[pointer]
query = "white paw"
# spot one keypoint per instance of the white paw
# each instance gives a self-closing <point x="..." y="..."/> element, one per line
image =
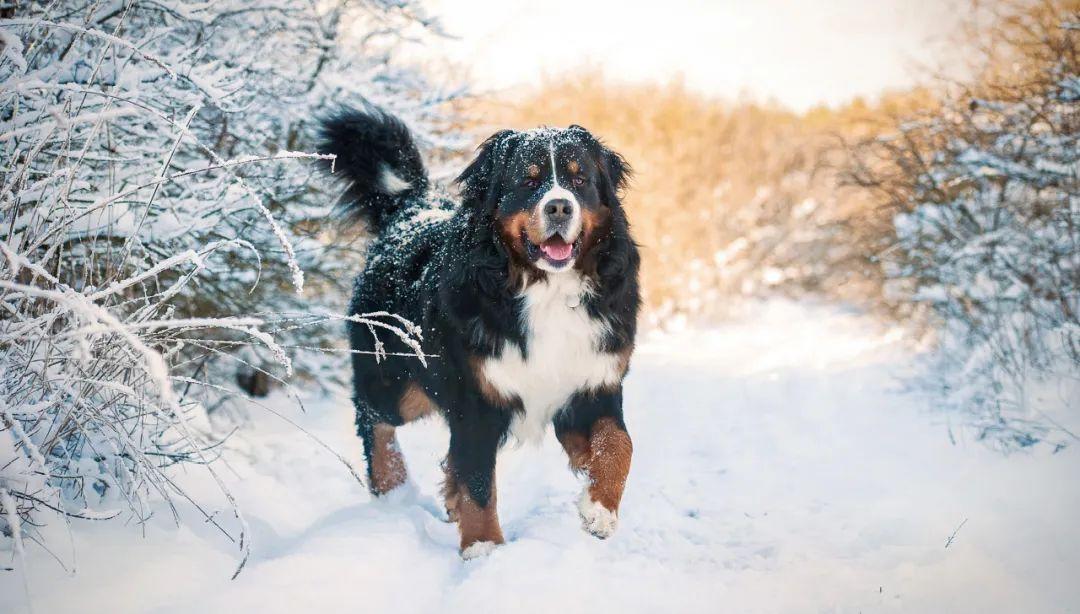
<point x="477" y="550"/>
<point x="595" y="518"/>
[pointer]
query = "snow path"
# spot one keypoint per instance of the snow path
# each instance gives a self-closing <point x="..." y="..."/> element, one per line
<point x="776" y="469"/>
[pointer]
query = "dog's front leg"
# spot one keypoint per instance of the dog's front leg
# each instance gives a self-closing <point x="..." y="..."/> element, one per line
<point x="475" y="435"/>
<point x="594" y="436"/>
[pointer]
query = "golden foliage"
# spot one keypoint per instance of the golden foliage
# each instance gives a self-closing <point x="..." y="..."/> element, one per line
<point x="727" y="199"/>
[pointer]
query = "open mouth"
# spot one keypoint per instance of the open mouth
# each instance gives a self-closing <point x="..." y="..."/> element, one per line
<point x="554" y="250"/>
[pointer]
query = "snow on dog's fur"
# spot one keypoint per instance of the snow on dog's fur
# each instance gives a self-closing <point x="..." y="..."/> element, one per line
<point x="527" y="292"/>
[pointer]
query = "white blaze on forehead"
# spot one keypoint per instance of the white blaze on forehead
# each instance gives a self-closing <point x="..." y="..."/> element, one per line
<point x="557" y="192"/>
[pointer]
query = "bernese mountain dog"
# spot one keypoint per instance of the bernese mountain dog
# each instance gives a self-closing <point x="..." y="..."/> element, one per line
<point x="526" y="291"/>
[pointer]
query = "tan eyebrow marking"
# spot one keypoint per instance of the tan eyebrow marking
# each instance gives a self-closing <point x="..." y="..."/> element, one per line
<point x="573" y="166"/>
<point x="533" y="171"/>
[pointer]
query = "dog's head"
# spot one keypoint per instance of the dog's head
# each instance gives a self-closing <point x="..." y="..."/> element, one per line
<point x="549" y="194"/>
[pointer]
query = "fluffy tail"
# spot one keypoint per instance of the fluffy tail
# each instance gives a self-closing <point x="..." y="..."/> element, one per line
<point x="377" y="156"/>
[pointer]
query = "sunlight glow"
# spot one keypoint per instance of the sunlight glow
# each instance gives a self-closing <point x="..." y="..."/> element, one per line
<point x="796" y="53"/>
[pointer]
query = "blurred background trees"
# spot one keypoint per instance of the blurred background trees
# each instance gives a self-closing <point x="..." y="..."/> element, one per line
<point x="985" y="241"/>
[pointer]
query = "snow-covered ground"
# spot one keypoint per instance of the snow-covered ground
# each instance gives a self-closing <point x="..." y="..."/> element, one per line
<point x="777" y="468"/>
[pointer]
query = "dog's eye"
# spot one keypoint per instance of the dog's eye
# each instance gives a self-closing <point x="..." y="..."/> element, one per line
<point x="530" y="183"/>
<point x="578" y="181"/>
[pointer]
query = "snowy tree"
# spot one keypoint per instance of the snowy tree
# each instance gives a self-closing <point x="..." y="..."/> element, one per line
<point x="987" y="224"/>
<point x="161" y="226"/>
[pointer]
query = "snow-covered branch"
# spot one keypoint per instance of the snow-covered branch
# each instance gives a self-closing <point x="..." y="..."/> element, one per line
<point x="159" y="221"/>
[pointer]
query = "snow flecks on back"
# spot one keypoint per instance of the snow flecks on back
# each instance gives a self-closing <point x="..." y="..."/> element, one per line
<point x="411" y="224"/>
<point x="401" y="259"/>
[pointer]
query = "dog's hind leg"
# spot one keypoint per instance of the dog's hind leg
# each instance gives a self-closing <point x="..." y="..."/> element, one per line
<point x="385" y="464"/>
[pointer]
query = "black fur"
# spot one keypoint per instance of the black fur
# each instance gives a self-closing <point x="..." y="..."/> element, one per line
<point x="367" y="142"/>
<point x="444" y="266"/>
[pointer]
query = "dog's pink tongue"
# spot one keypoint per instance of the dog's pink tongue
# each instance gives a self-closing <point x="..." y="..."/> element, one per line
<point x="557" y="250"/>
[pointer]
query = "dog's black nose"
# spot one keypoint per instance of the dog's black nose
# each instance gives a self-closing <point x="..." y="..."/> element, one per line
<point x="558" y="210"/>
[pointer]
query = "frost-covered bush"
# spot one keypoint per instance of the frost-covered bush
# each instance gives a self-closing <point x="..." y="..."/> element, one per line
<point x="987" y="228"/>
<point x="160" y="228"/>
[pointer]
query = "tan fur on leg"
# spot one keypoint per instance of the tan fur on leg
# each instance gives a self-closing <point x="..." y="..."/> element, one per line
<point x="577" y="449"/>
<point x="605" y="457"/>
<point x="476" y="525"/>
<point x="415" y="403"/>
<point x="449" y="492"/>
<point x="387" y="463"/>
<point x="608" y="464"/>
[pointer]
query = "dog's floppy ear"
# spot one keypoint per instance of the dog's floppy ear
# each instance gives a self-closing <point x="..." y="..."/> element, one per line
<point x="480" y="178"/>
<point x="614" y="169"/>
<point x="616" y="172"/>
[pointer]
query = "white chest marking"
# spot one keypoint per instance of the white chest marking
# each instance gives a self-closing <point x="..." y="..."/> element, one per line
<point x="563" y="358"/>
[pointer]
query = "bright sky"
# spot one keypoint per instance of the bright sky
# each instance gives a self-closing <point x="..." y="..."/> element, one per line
<point x="797" y="52"/>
